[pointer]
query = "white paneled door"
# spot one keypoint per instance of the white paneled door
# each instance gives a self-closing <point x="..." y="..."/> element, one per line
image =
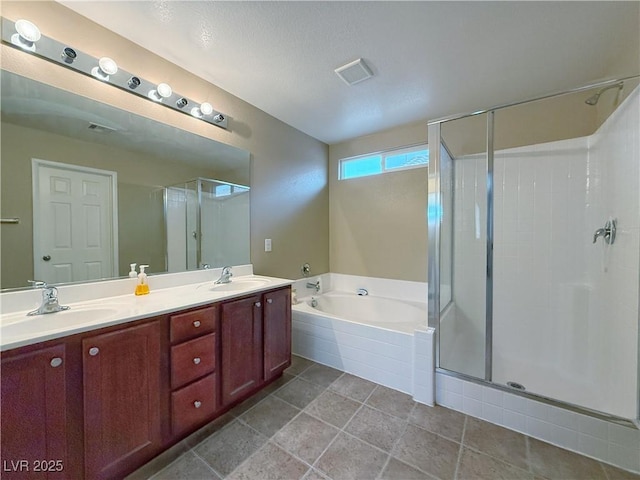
<point x="74" y="222"/>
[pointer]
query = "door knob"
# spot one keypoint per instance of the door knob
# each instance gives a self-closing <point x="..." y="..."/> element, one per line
<point x="46" y="258"/>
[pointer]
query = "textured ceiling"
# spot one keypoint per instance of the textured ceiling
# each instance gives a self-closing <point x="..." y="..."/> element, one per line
<point x="430" y="59"/>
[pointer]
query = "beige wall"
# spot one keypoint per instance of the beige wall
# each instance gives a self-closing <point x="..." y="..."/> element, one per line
<point x="289" y="190"/>
<point x="549" y="120"/>
<point x="378" y="224"/>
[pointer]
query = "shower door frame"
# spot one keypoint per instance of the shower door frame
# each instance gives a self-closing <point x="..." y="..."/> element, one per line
<point x="434" y="204"/>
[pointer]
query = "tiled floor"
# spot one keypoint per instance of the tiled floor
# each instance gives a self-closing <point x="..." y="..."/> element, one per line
<point x="318" y="423"/>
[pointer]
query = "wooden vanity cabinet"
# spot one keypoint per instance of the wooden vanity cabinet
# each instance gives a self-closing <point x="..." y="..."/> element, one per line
<point x="34" y="414"/>
<point x="256" y="342"/>
<point x="122" y="422"/>
<point x="276" y="328"/>
<point x="193" y="365"/>
<point x="103" y="403"/>
<point x="241" y="344"/>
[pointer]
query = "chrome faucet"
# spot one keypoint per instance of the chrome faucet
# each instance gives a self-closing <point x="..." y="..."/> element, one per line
<point x="49" y="300"/>
<point x="608" y="233"/>
<point x="314" y="285"/>
<point x="226" y="275"/>
<point x="362" y="292"/>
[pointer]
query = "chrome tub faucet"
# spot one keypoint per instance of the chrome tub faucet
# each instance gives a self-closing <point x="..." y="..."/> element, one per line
<point x="315" y="285"/>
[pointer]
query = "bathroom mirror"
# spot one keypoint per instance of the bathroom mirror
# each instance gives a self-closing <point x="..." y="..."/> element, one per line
<point x="130" y="171"/>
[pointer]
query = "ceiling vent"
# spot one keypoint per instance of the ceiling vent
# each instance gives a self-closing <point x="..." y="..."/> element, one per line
<point x="96" y="127"/>
<point x="354" y="72"/>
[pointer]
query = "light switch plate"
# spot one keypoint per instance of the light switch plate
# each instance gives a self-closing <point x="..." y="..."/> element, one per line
<point x="267" y="244"/>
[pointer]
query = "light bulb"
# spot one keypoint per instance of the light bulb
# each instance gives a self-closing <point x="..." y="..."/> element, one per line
<point x="204" y="109"/>
<point x="27" y="36"/>
<point x="106" y="67"/>
<point x="161" y="92"/>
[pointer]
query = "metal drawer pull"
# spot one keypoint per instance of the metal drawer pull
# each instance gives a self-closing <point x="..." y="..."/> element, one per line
<point x="93" y="351"/>
<point x="56" y="362"/>
<point x="196" y="360"/>
<point x="258" y="304"/>
<point x="197" y="404"/>
<point x="269" y="300"/>
<point x="196" y="323"/>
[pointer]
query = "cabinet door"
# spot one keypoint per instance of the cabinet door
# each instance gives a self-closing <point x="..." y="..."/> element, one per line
<point x="34" y="423"/>
<point x="277" y="332"/>
<point x="241" y="345"/>
<point x="121" y="399"/>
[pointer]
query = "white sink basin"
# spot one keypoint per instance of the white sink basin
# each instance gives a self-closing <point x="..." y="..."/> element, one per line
<point x="236" y="285"/>
<point x="20" y="324"/>
<point x="239" y="285"/>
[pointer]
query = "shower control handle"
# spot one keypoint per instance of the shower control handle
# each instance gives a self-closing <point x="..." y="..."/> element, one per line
<point x="608" y="232"/>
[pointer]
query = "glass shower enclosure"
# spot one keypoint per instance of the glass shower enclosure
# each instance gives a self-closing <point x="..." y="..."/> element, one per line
<point x="534" y="247"/>
<point x="207" y="224"/>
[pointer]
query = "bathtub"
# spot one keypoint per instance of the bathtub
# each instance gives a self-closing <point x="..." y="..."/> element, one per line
<point x="381" y="312"/>
<point x="382" y="337"/>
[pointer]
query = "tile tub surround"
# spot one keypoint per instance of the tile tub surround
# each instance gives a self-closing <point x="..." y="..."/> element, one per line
<point x="341" y="426"/>
<point x="401" y="360"/>
<point x="601" y="440"/>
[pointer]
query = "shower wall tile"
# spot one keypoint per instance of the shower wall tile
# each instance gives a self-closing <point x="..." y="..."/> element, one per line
<point x="514" y="421"/>
<point x="592" y="446"/>
<point x="453" y="385"/>
<point x="515" y="403"/>
<point x="594" y="427"/>
<point x="622" y="435"/>
<point x="627" y="458"/>
<point x="472" y="390"/>
<point x="492" y="396"/>
<point x="539" y="429"/>
<point x="492" y="413"/>
<point x="537" y="410"/>
<point x="563" y="418"/>
<point x="472" y="407"/>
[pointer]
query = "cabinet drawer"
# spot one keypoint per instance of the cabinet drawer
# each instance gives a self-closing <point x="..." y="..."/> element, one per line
<point x="193" y="324"/>
<point x="193" y="404"/>
<point x="192" y="359"/>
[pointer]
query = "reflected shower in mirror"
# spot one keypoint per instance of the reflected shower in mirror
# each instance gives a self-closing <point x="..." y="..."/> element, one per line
<point x="90" y="186"/>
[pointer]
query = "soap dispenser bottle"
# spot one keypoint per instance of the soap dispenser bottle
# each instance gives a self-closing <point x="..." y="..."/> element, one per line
<point x="133" y="273"/>
<point x="143" y="287"/>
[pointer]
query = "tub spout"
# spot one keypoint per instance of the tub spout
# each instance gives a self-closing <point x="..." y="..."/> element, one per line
<point x="362" y="292"/>
<point x="315" y="285"/>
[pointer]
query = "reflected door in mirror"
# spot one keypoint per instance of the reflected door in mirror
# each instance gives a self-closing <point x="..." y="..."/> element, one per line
<point x="74" y="228"/>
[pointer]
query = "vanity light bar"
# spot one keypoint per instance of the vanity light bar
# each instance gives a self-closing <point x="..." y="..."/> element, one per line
<point x="106" y="70"/>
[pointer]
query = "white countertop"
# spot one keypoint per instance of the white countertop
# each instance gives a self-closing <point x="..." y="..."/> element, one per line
<point x="17" y="329"/>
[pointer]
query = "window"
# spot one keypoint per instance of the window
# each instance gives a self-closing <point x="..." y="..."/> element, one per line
<point x="223" y="190"/>
<point x="393" y="160"/>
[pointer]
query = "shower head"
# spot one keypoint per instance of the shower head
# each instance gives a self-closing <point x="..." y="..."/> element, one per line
<point x="593" y="99"/>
